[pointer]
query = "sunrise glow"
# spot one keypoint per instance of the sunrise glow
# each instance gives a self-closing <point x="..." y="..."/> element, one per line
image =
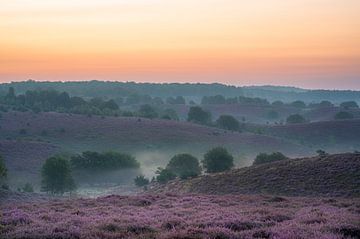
<point x="307" y="43"/>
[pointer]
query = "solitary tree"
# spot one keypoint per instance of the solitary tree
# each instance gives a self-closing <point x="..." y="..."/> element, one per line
<point x="228" y="122"/>
<point x="198" y="115"/>
<point x="56" y="176"/>
<point x="3" y="170"/>
<point x="218" y="160"/>
<point x="184" y="166"/>
<point x="147" y="111"/>
<point x="343" y="115"/>
<point x="295" y="119"/>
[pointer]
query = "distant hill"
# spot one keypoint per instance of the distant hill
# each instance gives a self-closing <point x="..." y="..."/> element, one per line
<point x="191" y="91"/>
<point x="333" y="175"/>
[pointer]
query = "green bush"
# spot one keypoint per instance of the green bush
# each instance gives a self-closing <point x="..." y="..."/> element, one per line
<point x="147" y="111"/>
<point x="3" y="170"/>
<point x="28" y="188"/>
<point x="349" y="104"/>
<point x="268" y="158"/>
<point x="218" y="160"/>
<point x="164" y="175"/>
<point x="56" y="176"/>
<point x="141" y="181"/>
<point x="103" y="161"/>
<point x="343" y="115"/>
<point x="295" y="119"/>
<point x="184" y="166"/>
<point x="228" y="122"/>
<point x="199" y="116"/>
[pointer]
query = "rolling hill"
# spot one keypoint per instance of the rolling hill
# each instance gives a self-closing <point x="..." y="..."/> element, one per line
<point x="333" y="175"/>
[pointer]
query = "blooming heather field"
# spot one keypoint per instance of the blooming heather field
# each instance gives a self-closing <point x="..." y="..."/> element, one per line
<point x="187" y="216"/>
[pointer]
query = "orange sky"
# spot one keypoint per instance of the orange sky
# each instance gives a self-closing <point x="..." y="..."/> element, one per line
<point x="307" y="43"/>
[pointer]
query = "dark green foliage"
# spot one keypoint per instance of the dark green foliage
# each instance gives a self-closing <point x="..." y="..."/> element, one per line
<point x="184" y="166"/>
<point x="218" y="160"/>
<point x="322" y="104"/>
<point x="198" y="115"/>
<point x="295" y="119"/>
<point x="103" y="161"/>
<point x="217" y="100"/>
<point x="51" y="100"/>
<point x="141" y="181"/>
<point x="277" y="103"/>
<point x="343" y="115"/>
<point x="349" y="104"/>
<point x="28" y="188"/>
<point x="253" y="101"/>
<point x="298" y="104"/>
<point x="56" y="176"/>
<point x="3" y="170"/>
<point x="321" y="153"/>
<point x="147" y="111"/>
<point x="179" y="100"/>
<point x="228" y="122"/>
<point x="170" y="114"/>
<point x="268" y="158"/>
<point x="164" y="175"/>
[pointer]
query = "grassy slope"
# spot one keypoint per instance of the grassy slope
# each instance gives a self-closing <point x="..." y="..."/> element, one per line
<point x="340" y="135"/>
<point x="78" y="132"/>
<point x="334" y="175"/>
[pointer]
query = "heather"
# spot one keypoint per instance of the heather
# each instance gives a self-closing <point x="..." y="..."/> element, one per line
<point x="182" y="216"/>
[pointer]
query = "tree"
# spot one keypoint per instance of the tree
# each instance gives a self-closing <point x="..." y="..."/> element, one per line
<point x="277" y="103"/>
<point x="3" y="170"/>
<point x="164" y="175"/>
<point x="141" y="181"/>
<point x="268" y="158"/>
<point x="184" y="166"/>
<point x="147" y="111"/>
<point x="198" y="115"/>
<point x="228" y="122"/>
<point x="298" y="104"/>
<point x="295" y="119"/>
<point x="56" y="176"/>
<point x="349" y="104"/>
<point x="218" y="160"/>
<point x="343" y="115"/>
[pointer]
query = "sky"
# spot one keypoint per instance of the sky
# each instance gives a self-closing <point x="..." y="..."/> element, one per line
<point x="304" y="43"/>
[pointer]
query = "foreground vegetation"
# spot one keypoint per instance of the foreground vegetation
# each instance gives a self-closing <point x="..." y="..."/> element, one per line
<point x="185" y="216"/>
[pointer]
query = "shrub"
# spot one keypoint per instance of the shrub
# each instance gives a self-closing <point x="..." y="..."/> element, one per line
<point x="295" y="119"/>
<point x="218" y="160"/>
<point x="321" y="153"/>
<point x="228" y="122"/>
<point x="277" y="103"/>
<point x="343" y="115"/>
<point x="349" y="104"/>
<point x="28" y="188"/>
<point x="198" y="115"/>
<point x="268" y="158"/>
<point x="56" y="176"/>
<point x="141" y="181"/>
<point x="3" y="170"/>
<point x="298" y="104"/>
<point x="147" y="111"/>
<point x="103" y="161"/>
<point x="164" y="175"/>
<point x="184" y="166"/>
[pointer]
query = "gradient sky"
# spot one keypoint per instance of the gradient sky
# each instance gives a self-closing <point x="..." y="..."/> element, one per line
<point x="306" y="43"/>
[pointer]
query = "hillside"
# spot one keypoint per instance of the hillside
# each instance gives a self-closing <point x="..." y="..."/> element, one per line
<point x="334" y="175"/>
<point x="335" y="136"/>
<point x="79" y="132"/>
